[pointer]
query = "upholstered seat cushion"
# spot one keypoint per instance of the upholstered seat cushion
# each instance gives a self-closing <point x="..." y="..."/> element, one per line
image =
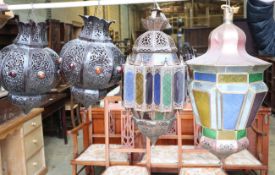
<point x="242" y="158"/>
<point x="96" y="153"/>
<point x="203" y="158"/>
<point x="161" y="154"/>
<point x="202" y="171"/>
<point x="126" y="170"/>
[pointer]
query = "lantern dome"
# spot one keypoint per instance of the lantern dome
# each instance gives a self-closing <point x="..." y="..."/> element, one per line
<point x="226" y="51"/>
<point x="227" y="89"/>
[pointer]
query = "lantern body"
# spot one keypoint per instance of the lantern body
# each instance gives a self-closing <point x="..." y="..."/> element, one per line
<point x="154" y="79"/>
<point x="29" y="68"/>
<point x="92" y="63"/>
<point x="226" y="91"/>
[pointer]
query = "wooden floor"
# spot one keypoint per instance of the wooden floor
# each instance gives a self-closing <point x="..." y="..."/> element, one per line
<point x="58" y="155"/>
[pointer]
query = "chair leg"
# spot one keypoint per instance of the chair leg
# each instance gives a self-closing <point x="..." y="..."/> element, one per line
<point x="74" y="169"/>
<point x="72" y="118"/>
<point x="78" y="115"/>
<point x="263" y="172"/>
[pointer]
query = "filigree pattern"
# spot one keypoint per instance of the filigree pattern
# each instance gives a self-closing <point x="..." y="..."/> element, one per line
<point x="92" y="62"/>
<point x="127" y="129"/>
<point x="28" y="68"/>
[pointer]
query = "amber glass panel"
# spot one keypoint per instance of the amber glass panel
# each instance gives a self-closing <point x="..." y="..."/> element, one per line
<point x="202" y="100"/>
<point x="139" y="88"/>
<point x="232" y="78"/>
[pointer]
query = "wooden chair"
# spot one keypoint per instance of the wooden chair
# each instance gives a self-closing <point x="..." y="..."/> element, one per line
<point x="128" y="134"/>
<point x="94" y="154"/>
<point x="74" y="110"/>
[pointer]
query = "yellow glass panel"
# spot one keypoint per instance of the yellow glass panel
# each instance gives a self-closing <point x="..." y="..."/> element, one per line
<point x="227" y="135"/>
<point x="202" y="100"/>
<point x="232" y="78"/>
<point x="139" y="88"/>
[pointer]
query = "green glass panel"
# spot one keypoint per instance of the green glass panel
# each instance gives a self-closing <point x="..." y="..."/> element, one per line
<point x="232" y="78"/>
<point x="255" y="77"/>
<point x="241" y="134"/>
<point x="159" y="116"/>
<point x="202" y="100"/>
<point x="209" y="133"/>
<point x="167" y="89"/>
<point x="139" y="88"/>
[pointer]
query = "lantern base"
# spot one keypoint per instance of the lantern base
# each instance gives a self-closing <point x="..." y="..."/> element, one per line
<point x="153" y="129"/>
<point x="25" y="102"/>
<point x="224" y="148"/>
<point x="86" y="97"/>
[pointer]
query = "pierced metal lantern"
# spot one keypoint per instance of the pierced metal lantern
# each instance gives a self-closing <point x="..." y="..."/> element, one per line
<point x="154" y="79"/>
<point x="92" y="64"/>
<point x="227" y="89"/>
<point x="29" y="68"/>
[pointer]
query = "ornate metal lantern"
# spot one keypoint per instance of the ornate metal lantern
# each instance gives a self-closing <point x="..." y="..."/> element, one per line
<point x="29" y="68"/>
<point x="227" y="89"/>
<point x="92" y="63"/>
<point x="154" y="79"/>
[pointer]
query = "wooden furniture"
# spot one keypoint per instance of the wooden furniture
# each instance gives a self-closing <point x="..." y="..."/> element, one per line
<point x="54" y="109"/>
<point x="74" y="110"/>
<point x="21" y="141"/>
<point x="181" y="151"/>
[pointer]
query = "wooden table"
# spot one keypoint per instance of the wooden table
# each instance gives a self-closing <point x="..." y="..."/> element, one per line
<point x="55" y="104"/>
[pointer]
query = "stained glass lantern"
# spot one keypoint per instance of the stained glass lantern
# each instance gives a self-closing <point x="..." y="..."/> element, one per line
<point x="92" y="64"/>
<point x="29" y="68"/>
<point x="227" y="89"/>
<point x="154" y="79"/>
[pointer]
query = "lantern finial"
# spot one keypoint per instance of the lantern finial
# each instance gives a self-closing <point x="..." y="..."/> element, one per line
<point x="228" y="13"/>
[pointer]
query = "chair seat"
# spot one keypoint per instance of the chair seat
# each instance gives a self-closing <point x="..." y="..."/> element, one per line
<point x="126" y="170"/>
<point x="242" y="158"/>
<point x="96" y="153"/>
<point x="202" y="171"/>
<point x="161" y="154"/>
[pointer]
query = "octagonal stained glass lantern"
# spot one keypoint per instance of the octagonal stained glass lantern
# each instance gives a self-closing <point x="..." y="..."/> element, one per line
<point x="154" y="79"/>
<point x="227" y="89"/>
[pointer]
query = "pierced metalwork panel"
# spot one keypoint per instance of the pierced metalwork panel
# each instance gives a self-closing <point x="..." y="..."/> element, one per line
<point x="97" y="58"/>
<point x="40" y="61"/>
<point x="12" y="72"/>
<point x="73" y="55"/>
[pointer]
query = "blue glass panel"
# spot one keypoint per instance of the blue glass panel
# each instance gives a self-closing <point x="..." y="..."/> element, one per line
<point x="129" y="87"/>
<point x="205" y="77"/>
<point x="157" y="82"/>
<point x="149" y="88"/>
<point x="231" y="107"/>
<point x="178" y="87"/>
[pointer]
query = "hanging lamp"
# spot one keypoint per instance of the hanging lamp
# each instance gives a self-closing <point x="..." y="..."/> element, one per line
<point x="227" y="89"/>
<point x="92" y="64"/>
<point x="29" y="68"/>
<point x="154" y="79"/>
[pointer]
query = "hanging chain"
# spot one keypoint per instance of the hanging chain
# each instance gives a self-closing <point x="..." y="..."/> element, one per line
<point x="31" y="13"/>
<point x="97" y="9"/>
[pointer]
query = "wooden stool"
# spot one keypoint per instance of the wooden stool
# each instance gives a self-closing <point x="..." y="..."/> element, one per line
<point x="126" y="170"/>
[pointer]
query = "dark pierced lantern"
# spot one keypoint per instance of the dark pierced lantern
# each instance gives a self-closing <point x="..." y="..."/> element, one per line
<point x="92" y="64"/>
<point x="227" y="89"/>
<point x="29" y="68"/>
<point x="154" y="79"/>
